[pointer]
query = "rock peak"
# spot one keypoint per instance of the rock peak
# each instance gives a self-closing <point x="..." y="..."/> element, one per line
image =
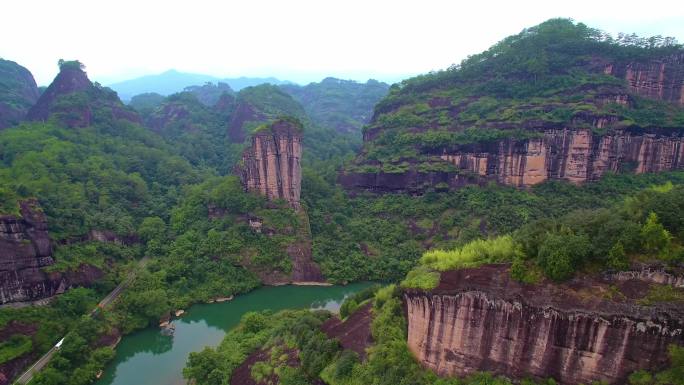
<point x="271" y="166"/>
<point x="73" y="99"/>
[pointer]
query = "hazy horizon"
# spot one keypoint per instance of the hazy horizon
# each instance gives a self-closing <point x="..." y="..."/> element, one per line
<point x="301" y="42"/>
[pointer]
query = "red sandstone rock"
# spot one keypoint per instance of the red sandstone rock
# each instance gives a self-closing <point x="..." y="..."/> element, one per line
<point x="481" y="319"/>
<point x="85" y="99"/>
<point x="272" y="165"/>
<point x="658" y="79"/>
<point x="574" y="155"/>
<point x="355" y="332"/>
<point x="25" y="248"/>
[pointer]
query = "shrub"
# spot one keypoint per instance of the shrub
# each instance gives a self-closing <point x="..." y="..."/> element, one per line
<point x="473" y="254"/>
<point x="422" y="277"/>
<point x="561" y="253"/>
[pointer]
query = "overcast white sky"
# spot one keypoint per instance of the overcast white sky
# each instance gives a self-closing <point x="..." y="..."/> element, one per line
<point x="296" y="40"/>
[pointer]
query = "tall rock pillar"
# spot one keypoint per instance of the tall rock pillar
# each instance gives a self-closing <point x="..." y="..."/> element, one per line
<point x="272" y="165"/>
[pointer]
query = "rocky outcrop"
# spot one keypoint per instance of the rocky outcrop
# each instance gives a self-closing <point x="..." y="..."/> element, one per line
<point x="243" y="114"/>
<point x="12" y="368"/>
<point x="76" y="102"/>
<point x="574" y="155"/>
<point x="271" y="166"/>
<point x="659" y="79"/>
<point x="25" y="248"/>
<point x="354" y="333"/>
<point x="304" y="269"/>
<point x="257" y="105"/>
<point x="480" y="319"/>
<point x="18" y="92"/>
<point x="174" y="114"/>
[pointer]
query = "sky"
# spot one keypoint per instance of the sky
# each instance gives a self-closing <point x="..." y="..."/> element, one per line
<point x="300" y="41"/>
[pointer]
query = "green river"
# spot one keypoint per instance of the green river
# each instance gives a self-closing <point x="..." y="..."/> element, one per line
<point x="149" y="358"/>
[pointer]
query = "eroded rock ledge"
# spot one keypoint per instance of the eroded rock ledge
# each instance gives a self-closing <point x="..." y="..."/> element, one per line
<point x="481" y="319"/>
<point x="26" y="248"/>
<point x="577" y="156"/>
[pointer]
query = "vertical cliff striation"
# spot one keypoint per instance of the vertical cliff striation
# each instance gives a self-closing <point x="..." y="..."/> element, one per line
<point x="26" y="248"/>
<point x="480" y="319"/>
<point x="657" y="79"/>
<point x="272" y="165"/>
<point x="574" y="155"/>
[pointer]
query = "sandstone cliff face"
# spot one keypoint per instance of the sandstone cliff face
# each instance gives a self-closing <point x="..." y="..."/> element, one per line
<point x="659" y="79"/>
<point x="574" y="155"/>
<point x="479" y="319"/>
<point x="25" y="248"/>
<point x="76" y="102"/>
<point x="272" y="165"/>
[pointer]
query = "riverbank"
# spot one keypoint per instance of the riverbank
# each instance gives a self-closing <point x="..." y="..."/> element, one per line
<point x="148" y="357"/>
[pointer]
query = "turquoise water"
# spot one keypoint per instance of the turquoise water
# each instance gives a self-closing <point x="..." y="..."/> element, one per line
<point x="149" y="358"/>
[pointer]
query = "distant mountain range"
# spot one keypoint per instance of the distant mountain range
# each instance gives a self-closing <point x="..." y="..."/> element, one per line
<point x="173" y="81"/>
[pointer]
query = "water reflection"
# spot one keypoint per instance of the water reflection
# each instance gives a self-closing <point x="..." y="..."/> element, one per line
<point x="150" y="358"/>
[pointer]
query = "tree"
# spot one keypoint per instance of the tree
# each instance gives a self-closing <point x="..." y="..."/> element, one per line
<point x="152" y="228"/>
<point x="654" y="237"/>
<point x="617" y="259"/>
<point x="562" y="253"/>
<point x="70" y="64"/>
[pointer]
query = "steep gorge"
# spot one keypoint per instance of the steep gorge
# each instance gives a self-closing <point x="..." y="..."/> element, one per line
<point x="481" y="319"/>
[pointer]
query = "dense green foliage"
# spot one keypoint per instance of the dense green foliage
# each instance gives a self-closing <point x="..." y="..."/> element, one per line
<point x="146" y="103"/>
<point x="77" y="362"/>
<point x="197" y="131"/>
<point x="275" y="333"/>
<point x="14" y="346"/>
<point x="209" y="93"/>
<point x="604" y="238"/>
<point x="17" y="89"/>
<point x="353" y="302"/>
<point x="344" y="105"/>
<point x="674" y="375"/>
<point x="103" y="177"/>
<point x="168" y="188"/>
<point x="382" y="237"/>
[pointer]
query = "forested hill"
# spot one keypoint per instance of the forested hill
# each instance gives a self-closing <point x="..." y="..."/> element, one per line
<point x="559" y="75"/>
<point x="344" y="105"/>
<point x="173" y="81"/>
<point x="18" y="92"/>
